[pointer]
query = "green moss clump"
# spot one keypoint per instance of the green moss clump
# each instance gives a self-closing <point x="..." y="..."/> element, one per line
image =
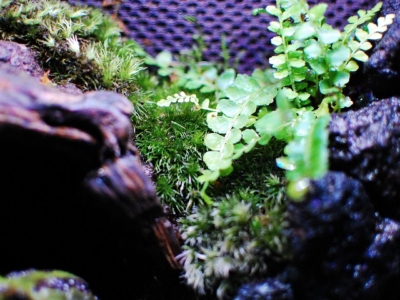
<point x="170" y="139"/>
<point x="43" y="285"/>
<point x="77" y="44"/>
<point x="239" y="237"/>
<point x="234" y="241"/>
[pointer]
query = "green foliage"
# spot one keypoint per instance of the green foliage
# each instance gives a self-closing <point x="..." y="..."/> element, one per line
<point x="233" y="241"/>
<point x="191" y="72"/>
<point x="314" y="60"/>
<point x="311" y="69"/>
<point x="226" y="241"/>
<point x="170" y="139"/>
<point x="77" y="44"/>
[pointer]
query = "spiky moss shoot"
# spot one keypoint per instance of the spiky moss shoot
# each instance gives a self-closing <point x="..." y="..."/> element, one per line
<point x="77" y="44"/>
<point x="171" y="140"/>
<point x="240" y="237"/>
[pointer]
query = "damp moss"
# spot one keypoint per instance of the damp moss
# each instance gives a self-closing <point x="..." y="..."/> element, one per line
<point x="81" y="45"/>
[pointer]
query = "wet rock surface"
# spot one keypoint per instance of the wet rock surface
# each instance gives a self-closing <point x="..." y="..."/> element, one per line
<point x="382" y="70"/>
<point x="346" y="251"/>
<point x="366" y="145"/>
<point x="271" y="289"/>
<point x="75" y="196"/>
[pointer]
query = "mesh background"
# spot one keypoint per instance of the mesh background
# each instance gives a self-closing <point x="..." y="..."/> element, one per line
<point x="160" y="25"/>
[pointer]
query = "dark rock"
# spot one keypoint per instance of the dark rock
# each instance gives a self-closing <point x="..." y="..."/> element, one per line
<point x="365" y="144"/>
<point x="390" y="7"/>
<point x="338" y="251"/>
<point x="23" y="59"/>
<point x="380" y="270"/>
<point x="382" y="70"/>
<point x="336" y="219"/>
<point x="328" y="232"/>
<point x="74" y="193"/>
<point x="341" y="249"/>
<point x="270" y="289"/>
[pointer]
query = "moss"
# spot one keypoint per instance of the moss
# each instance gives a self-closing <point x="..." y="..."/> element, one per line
<point x="171" y="140"/>
<point x="77" y="44"/>
<point x="31" y="284"/>
<point x="241" y="231"/>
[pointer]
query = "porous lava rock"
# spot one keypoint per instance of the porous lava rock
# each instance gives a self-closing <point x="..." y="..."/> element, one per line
<point x="74" y="195"/>
<point x="365" y="144"/>
<point x="270" y="289"/>
<point x="341" y="248"/>
<point x="382" y="70"/>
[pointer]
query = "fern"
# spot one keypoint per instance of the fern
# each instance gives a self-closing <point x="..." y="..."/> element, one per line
<point x="293" y="102"/>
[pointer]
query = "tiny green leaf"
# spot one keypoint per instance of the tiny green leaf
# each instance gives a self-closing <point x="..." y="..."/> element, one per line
<point x="215" y="162"/>
<point x="274" y="26"/>
<point x="366" y="46"/>
<point x="247" y="83"/>
<point x="207" y="89"/>
<point x="193" y="85"/>
<point x="326" y="88"/>
<point x="361" y="56"/>
<point x="297" y="63"/>
<point x="341" y="78"/>
<point x="241" y="121"/>
<point x="317" y="12"/>
<point x="226" y="79"/>
<point x="249" y="135"/>
<point x="208" y="176"/>
<point x="235" y="136"/>
<point x="214" y="141"/>
<point x="338" y="56"/>
<point x="277" y="60"/>
<point x="318" y="66"/>
<point x="372" y="27"/>
<point x="361" y="35"/>
<point x="375" y="36"/>
<point x="249" y="109"/>
<point x="352" y="19"/>
<point x="289" y="31"/>
<point x="218" y="124"/>
<point x="273" y="10"/>
<point x="277" y="40"/>
<point x="313" y="50"/>
<point x="351" y="66"/>
<point x="328" y="36"/>
<point x="164" y="59"/>
<point x="304" y="31"/>
<point x="280" y="75"/>
<point x="229" y="108"/>
<point x="236" y="94"/>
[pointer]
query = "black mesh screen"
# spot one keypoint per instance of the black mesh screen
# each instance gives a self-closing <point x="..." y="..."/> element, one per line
<point x="159" y="25"/>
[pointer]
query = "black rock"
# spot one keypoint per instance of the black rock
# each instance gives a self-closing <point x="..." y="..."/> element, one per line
<point x="270" y="289"/>
<point x="380" y="269"/>
<point x="329" y="231"/>
<point x="335" y="220"/>
<point x="365" y="144"/>
<point x="382" y="70"/>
